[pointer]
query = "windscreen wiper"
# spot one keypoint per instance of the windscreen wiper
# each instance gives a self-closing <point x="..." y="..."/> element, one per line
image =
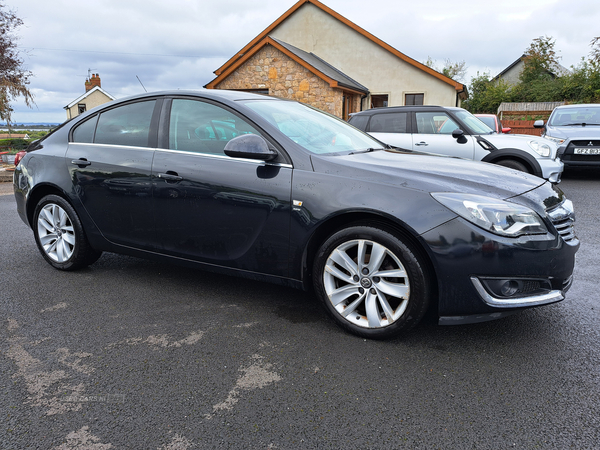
<point x="367" y="150"/>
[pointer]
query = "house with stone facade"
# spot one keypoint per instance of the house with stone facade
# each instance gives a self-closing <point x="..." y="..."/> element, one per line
<point x="315" y="55"/>
<point x="94" y="96"/>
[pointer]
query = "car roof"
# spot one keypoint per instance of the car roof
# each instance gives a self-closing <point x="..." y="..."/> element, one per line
<point x="216" y="94"/>
<point x="390" y="109"/>
<point x="582" y="105"/>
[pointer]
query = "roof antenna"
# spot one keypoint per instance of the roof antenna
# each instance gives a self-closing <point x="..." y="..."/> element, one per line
<point x="141" y="83"/>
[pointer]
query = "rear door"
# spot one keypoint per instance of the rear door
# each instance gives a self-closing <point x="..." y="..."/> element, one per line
<point x="110" y="162"/>
<point x="393" y="128"/>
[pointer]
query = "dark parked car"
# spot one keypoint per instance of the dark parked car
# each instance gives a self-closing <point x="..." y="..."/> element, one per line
<point x="294" y="196"/>
<point x="492" y="121"/>
<point x="577" y="129"/>
<point x="456" y="132"/>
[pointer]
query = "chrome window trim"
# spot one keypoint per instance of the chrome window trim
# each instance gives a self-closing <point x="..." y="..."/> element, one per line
<point x="228" y="158"/>
<point x="209" y="155"/>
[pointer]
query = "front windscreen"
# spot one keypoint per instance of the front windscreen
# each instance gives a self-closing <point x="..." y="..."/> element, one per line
<point x="476" y="126"/>
<point x="589" y="115"/>
<point x="312" y="129"/>
<point x="489" y="121"/>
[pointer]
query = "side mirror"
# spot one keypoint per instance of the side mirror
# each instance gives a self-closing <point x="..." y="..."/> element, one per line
<point x="506" y="130"/>
<point x="249" y="146"/>
<point x="538" y="124"/>
<point x="459" y="135"/>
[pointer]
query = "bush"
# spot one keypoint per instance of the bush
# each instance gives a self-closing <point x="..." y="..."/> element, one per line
<point x="13" y="145"/>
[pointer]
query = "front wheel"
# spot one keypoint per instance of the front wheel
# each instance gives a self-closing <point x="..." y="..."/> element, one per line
<point x="512" y="164"/>
<point x="371" y="282"/>
<point x="59" y="235"/>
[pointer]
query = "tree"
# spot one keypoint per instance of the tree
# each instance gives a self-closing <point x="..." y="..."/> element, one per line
<point x="540" y="60"/>
<point x="454" y="70"/>
<point x="14" y="79"/>
<point x="595" y="52"/>
<point x="485" y="95"/>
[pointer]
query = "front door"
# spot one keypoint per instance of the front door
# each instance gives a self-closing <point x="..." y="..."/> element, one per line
<point x="213" y="208"/>
<point x="434" y="135"/>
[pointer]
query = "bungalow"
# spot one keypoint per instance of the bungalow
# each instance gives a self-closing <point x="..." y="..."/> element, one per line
<point x="94" y="96"/>
<point x="315" y="55"/>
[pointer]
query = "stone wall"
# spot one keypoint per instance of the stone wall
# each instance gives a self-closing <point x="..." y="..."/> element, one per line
<point x="283" y="77"/>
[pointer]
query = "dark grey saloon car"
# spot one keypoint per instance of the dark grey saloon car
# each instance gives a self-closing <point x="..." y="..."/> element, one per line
<point x="274" y="190"/>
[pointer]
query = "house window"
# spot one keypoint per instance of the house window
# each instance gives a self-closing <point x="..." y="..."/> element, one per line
<point x="81" y="108"/>
<point x="379" y="101"/>
<point x="413" y="99"/>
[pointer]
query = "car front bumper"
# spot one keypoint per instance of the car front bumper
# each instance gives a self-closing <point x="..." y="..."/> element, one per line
<point x="466" y="258"/>
<point x="551" y="169"/>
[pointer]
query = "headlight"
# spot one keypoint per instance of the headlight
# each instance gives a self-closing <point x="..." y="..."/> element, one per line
<point x="540" y="148"/>
<point x="497" y="216"/>
<point x="554" y="139"/>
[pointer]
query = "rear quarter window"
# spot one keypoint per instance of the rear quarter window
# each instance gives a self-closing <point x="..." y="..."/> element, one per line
<point x="359" y="122"/>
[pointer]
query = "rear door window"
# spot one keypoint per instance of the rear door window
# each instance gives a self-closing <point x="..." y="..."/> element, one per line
<point x="84" y="132"/>
<point x="127" y="125"/>
<point x="389" y="123"/>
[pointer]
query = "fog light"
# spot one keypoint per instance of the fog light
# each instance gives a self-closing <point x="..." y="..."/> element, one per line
<point x="516" y="287"/>
<point x="509" y="288"/>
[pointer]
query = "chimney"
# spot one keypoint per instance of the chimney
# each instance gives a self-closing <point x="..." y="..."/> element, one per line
<point x="92" y="82"/>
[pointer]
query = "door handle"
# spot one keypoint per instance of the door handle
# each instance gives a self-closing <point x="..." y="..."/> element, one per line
<point x="422" y="144"/>
<point x="81" y="162"/>
<point x="170" y="176"/>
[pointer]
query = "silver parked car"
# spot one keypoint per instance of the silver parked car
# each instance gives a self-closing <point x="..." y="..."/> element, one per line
<point x="576" y="128"/>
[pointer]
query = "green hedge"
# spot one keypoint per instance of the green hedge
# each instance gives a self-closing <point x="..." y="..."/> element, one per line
<point x="13" y="145"/>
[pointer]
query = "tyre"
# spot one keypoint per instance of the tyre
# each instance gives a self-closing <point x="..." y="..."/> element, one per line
<point x="512" y="164"/>
<point x="371" y="282"/>
<point x="59" y="235"/>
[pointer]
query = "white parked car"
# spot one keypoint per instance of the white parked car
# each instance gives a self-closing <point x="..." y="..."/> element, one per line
<point x="457" y="132"/>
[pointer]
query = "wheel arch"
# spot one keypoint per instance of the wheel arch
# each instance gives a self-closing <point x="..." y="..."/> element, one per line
<point x="516" y="155"/>
<point x="39" y="192"/>
<point x="349" y="219"/>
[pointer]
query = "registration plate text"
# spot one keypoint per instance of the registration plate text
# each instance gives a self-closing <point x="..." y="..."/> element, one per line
<point x="587" y="151"/>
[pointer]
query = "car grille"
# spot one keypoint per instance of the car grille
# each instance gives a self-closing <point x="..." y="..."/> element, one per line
<point x="565" y="228"/>
<point x="563" y="219"/>
<point x="569" y="155"/>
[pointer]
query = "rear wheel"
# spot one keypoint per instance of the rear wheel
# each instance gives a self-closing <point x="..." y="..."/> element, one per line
<point x="371" y="283"/>
<point x="513" y="164"/>
<point x="59" y="235"/>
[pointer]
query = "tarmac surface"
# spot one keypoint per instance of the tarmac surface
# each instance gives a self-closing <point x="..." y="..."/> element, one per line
<point x="134" y="354"/>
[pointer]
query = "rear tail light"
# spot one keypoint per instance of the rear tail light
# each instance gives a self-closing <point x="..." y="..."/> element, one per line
<point x="19" y="157"/>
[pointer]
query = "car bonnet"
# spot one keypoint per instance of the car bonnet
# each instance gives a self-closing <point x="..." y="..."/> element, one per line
<point x="429" y="173"/>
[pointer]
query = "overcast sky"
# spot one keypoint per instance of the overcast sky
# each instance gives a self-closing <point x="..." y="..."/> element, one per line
<point x="177" y="44"/>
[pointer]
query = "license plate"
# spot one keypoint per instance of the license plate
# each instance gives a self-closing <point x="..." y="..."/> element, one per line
<point x="587" y="151"/>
